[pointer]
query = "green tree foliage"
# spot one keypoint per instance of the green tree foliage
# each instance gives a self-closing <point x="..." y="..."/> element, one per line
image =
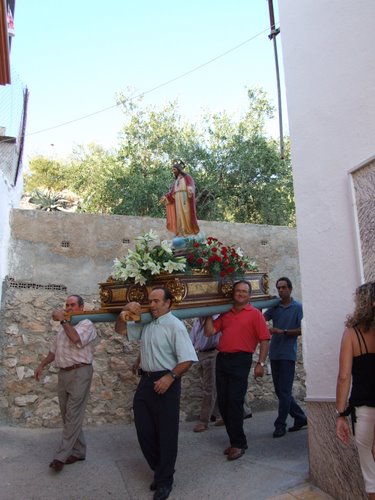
<point x="46" y="174"/>
<point x="95" y="175"/>
<point x="236" y="167"/>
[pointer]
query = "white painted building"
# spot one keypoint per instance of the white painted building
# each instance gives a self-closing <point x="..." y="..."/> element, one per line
<point x="329" y="64"/>
<point x="11" y="116"/>
<point x="9" y="198"/>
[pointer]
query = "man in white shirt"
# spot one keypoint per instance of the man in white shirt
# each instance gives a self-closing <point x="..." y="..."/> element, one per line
<point x="166" y="353"/>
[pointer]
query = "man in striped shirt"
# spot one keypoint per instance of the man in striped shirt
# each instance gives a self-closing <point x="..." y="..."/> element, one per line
<point x="72" y="352"/>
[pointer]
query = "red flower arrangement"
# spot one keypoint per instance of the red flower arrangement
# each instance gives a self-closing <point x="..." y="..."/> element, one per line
<point x="217" y="259"/>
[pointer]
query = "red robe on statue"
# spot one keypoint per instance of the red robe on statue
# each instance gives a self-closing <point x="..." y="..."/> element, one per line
<point x="181" y="212"/>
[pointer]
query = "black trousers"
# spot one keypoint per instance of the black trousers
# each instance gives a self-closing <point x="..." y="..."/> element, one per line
<point x="157" y="420"/>
<point x="232" y="371"/>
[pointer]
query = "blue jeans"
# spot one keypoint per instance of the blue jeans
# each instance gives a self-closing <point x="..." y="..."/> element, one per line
<point x="283" y="376"/>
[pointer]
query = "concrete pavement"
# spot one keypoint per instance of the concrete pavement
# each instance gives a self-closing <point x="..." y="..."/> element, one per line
<point x="115" y="468"/>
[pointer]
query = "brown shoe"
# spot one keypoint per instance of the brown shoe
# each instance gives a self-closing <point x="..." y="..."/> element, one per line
<point x="219" y="422"/>
<point x="72" y="459"/>
<point x="235" y="453"/>
<point x="56" y="465"/>
<point x="226" y="451"/>
<point x="200" y="427"/>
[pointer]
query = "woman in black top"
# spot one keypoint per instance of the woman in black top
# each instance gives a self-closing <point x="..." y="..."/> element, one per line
<point x="357" y="368"/>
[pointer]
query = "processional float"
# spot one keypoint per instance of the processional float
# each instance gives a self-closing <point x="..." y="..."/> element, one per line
<point x="196" y="294"/>
<point x="199" y="272"/>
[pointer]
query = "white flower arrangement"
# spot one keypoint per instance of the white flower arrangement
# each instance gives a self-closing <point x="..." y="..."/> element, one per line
<point x="147" y="261"/>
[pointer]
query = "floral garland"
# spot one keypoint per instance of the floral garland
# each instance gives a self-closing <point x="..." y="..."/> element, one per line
<point x="217" y="259"/>
<point x="147" y="261"/>
<point x="210" y="256"/>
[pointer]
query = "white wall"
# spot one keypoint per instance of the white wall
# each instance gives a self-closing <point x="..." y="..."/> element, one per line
<point x="9" y="198"/>
<point x="329" y="63"/>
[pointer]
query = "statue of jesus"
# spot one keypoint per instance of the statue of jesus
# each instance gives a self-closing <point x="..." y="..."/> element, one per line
<point x="180" y="203"/>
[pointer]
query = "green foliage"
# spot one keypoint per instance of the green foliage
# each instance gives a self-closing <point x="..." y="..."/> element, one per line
<point x="46" y="174"/>
<point x="95" y="176"/>
<point x="47" y="201"/>
<point x="236" y="167"/>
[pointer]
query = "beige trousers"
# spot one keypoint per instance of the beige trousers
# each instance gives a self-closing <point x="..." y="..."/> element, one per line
<point x="73" y="393"/>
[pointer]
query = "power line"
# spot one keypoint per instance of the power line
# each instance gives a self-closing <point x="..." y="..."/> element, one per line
<point x="196" y="68"/>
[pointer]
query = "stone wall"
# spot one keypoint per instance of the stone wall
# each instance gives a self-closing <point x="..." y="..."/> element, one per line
<point x="77" y="250"/>
<point x="27" y="331"/>
<point x="363" y="178"/>
<point x="43" y="273"/>
<point x="334" y="466"/>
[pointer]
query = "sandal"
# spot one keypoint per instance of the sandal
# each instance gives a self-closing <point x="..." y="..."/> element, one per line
<point x="200" y="427"/>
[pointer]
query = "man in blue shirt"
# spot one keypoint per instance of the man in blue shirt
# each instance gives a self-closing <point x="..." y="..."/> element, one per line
<point x="286" y="327"/>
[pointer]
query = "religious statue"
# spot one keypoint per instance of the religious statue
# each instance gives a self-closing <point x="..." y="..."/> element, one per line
<point x="180" y="203"/>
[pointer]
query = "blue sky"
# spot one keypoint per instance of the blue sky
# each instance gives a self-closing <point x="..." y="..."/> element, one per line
<point x="74" y="56"/>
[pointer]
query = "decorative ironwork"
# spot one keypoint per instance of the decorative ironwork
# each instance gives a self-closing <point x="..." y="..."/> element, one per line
<point x="201" y="272"/>
<point x="177" y="288"/>
<point x="137" y="293"/>
<point x="188" y="290"/>
<point x="265" y="283"/>
<point x="105" y="295"/>
<point x="226" y="287"/>
<point x="255" y="286"/>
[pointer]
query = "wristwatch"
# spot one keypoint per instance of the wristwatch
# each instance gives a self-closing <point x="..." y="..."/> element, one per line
<point x="261" y="364"/>
<point x="285" y="332"/>
<point x="64" y="321"/>
<point x="340" y="413"/>
<point x="174" y="374"/>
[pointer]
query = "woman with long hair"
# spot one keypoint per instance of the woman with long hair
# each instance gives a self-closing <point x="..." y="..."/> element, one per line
<point x="357" y="368"/>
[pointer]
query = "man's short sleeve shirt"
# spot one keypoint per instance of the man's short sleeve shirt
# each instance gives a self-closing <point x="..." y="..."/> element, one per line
<point x="286" y="318"/>
<point x="199" y="340"/>
<point x="165" y="343"/>
<point x="68" y="353"/>
<point x="241" y="330"/>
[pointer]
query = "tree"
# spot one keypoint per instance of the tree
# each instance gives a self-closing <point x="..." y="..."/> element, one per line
<point x="243" y="178"/>
<point x="95" y="175"/>
<point x="46" y="174"/>
<point x="236" y="167"/>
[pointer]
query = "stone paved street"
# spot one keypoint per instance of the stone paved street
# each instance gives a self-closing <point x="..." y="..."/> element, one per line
<point x="115" y="468"/>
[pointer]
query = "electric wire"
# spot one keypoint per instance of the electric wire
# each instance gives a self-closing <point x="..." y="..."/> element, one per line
<point x="182" y="75"/>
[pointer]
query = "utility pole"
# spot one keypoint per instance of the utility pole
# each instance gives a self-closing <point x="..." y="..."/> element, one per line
<point x="272" y="36"/>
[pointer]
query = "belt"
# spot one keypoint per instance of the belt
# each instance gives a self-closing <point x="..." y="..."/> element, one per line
<point x="73" y="367"/>
<point x="153" y="374"/>
<point x="208" y="350"/>
<point x="234" y="353"/>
